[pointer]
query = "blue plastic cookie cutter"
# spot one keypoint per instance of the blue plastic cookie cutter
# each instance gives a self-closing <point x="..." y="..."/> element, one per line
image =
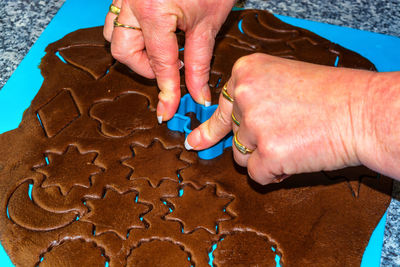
<point x="181" y="123"/>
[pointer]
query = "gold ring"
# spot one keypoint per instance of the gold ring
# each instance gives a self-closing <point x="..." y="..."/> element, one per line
<point x="114" y="9"/>
<point x="225" y="93"/>
<point x="118" y="24"/>
<point x="242" y="149"/>
<point x="235" y="120"/>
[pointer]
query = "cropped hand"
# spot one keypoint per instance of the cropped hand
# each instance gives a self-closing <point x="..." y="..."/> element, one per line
<point x="152" y="51"/>
<point x="294" y="117"/>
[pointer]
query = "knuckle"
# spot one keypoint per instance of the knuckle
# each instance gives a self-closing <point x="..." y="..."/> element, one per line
<point x="265" y="149"/>
<point x="249" y="122"/>
<point x="206" y="35"/>
<point x="257" y="178"/>
<point x="250" y="171"/>
<point x="239" y="159"/>
<point x="240" y="65"/>
<point x="156" y="14"/>
<point x="241" y="94"/>
<point x="118" y="53"/>
<point x="146" y="9"/>
<point x="158" y="64"/>
<point x="222" y="118"/>
<point x="257" y="57"/>
<point x="271" y="150"/>
<point x="198" y="68"/>
<point x="245" y="96"/>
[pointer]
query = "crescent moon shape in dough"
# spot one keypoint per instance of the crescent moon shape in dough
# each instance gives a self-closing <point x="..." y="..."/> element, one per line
<point x="25" y="213"/>
<point x="266" y="32"/>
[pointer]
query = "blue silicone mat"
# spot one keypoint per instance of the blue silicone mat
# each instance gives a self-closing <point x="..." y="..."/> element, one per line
<point x="25" y="82"/>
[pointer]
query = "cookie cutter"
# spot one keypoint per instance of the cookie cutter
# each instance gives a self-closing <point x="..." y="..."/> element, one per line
<point x="180" y="122"/>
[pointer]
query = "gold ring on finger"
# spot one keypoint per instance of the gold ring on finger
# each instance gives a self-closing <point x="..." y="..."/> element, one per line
<point x="240" y="147"/>
<point x="235" y="120"/>
<point x="114" y="9"/>
<point x="225" y="93"/>
<point x="118" y="24"/>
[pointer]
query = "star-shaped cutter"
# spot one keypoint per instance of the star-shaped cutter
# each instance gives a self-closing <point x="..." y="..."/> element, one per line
<point x="181" y="123"/>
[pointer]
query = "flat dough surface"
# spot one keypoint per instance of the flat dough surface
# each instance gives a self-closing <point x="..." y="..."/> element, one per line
<point x="89" y="176"/>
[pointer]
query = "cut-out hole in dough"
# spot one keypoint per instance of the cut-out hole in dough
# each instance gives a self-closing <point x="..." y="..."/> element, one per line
<point x="337" y="61"/>
<point x="61" y="57"/>
<point x="211" y="256"/>
<point x="240" y="26"/>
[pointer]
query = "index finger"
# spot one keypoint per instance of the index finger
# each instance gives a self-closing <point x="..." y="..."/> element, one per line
<point x="162" y="49"/>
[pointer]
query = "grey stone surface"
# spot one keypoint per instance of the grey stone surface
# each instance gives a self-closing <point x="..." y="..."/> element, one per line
<point x="382" y="16"/>
<point x="22" y="22"/>
<point x="391" y="241"/>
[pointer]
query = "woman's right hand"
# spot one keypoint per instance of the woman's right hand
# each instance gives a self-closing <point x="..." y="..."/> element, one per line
<point x="296" y="117"/>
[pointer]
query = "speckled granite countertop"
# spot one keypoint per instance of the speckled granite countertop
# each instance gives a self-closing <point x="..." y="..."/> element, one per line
<point x="22" y="22"/>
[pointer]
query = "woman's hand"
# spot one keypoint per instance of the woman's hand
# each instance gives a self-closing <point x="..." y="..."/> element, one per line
<point x="153" y="51"/>
<point x="296" y="117"/>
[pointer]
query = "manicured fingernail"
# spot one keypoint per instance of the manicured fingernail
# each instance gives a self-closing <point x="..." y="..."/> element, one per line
<point x="159" y="119"/>
<point x="181" y="64"/>
<point x="160" y="111"/>
<point x="187" y="146"/>
<point x="206" y="95"/>
<point x="194" y="139"/>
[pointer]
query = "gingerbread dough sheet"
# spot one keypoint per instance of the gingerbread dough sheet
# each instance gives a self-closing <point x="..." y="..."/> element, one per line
<point x="90" y="178"/>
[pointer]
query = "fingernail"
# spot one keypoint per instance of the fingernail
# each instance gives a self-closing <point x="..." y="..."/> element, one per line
<point x="181" y="64"/>
<point x="194" y="139"/>
<point x="206" y="95"/>
<point x="187" y="146"/>
<point x="160" y="111"/>
<point x="159" y="119"/>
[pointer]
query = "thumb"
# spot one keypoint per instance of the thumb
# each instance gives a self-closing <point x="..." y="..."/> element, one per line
<point x="214" y="129"/>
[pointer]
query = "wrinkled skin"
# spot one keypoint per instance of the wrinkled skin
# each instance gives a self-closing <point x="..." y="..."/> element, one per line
<point x="297" y="117"/>
<point x="300" y="117"/>
<point x="153" y="51"/>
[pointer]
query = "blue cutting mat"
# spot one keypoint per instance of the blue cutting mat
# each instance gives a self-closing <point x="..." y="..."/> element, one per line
<point x="23" y="85"/>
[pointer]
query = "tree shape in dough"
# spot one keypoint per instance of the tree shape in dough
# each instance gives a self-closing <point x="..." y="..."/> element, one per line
<point x="116" y="213"/>
<point x="199" y="209"/>
<point x="69" y="169"/>
<point x="148" y="163"/>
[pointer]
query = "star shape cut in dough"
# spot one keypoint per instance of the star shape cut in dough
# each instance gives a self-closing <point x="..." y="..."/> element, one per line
<point x="155" y="163"/>
<point x="116" y="213"/>
<point x="199" y="209"/>
<point x="69" y="169"/>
